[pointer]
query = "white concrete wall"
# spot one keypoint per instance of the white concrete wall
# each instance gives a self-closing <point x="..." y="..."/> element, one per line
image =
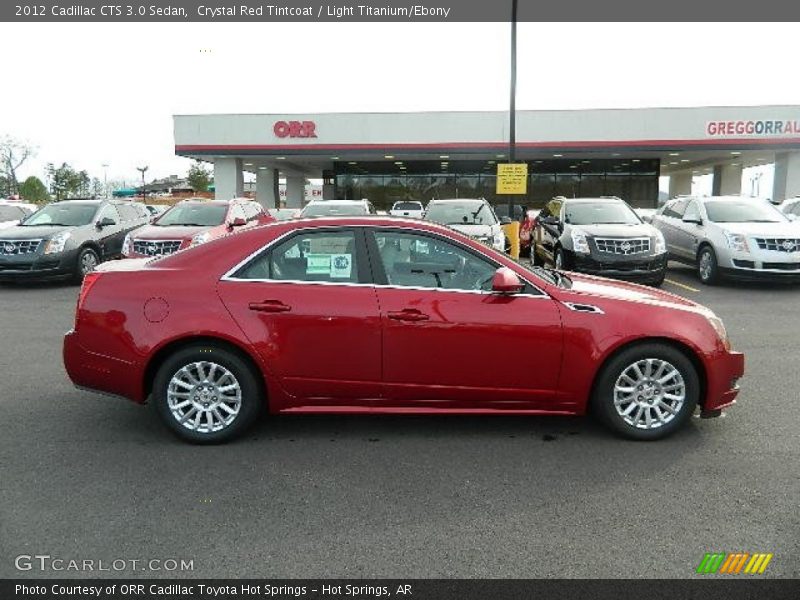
<point x="265" y="187"/>
<point x="228" y="178"/>
<point x="787" y="176"/>
<point x="680" y="183"/>
<point x="295" y="191"/>
<point x="727" y="180"/>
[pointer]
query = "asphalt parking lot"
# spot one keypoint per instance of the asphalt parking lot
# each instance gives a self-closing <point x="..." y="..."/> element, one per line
<point x="90" y="477"/>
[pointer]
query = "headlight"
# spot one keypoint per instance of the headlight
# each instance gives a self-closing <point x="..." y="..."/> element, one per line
<point x="719" y="327"/>
<point x="579" y="242"/>
<point x="200" y="238"/>
<point x="126" y="245"/>
<point x="56" y="243"/>
<point x="499" y="239"/>
<point x="661" y="245"/>
<point x="737" y="242"/>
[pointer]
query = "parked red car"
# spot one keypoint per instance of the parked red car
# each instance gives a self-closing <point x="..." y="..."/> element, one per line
<point x="353" y="314"/>
<point x="193" y="222"/>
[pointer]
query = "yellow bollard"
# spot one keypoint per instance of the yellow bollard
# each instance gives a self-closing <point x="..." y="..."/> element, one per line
<point x="512" y="233"/>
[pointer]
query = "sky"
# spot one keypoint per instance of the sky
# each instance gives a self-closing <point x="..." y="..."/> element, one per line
<point x="95" y="94"/>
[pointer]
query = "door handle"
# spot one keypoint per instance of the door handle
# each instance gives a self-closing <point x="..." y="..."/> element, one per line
<point x="408" y="314"/>
<point x="270" y="306"/>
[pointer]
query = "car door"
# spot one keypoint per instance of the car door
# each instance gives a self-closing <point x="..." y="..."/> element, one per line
<point x="447" y="340"/>
<point x="110" y="237"/>
<point x="688" y="232"/>
<point x="307" y="305"/>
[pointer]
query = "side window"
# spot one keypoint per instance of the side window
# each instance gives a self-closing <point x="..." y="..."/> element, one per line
<point x="143" y="212"/>
<point x="110" y="211"/>
<point x="236" y="212"/>
<point x="415" y="260"/>
<point x="308" y="256"/>
<point x="127" y="212"/>
<point x="252" y="210"/>
<point x="692" y="211"/>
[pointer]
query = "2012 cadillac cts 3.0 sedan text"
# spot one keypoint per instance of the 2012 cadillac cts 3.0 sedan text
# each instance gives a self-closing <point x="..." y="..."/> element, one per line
<point x="377" y="314"/>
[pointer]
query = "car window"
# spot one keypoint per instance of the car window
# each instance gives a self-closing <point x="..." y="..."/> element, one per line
<point x="413" y="260"/>
<point x="201" y="215"/>
<point x="675" y="209"/>
<point x="253" y="210"/>
<point x="109" y="211"/>
<point x="328" y="256"/>
<point x="237" y="212"/>
<point x="795" y="209"/>
<point x="144" y="212"/>
<point x="407" y="206"/>
<point x="743" y="211"/>
<point x="692" y="211"/>
<point x="606" y="213"/>
<point x="10" y="213"/>
<point x="331" y="209"/>
<point x="127" y="212"/>
<point x="71" y="215"/>
<point x="461" y="213"/>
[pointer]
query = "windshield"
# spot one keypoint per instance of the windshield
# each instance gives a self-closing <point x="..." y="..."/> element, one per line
<point x="460" y="213"/>
<point x="407" y="206"/>
<point x="743" y="211"/>
<point x="600" y="213"/>
<point x="69" y="215"/>
<point x="321" y="209"/>
<point x="201" y="215"/>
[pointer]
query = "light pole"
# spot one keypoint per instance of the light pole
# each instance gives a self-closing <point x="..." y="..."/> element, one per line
<point x="142" y="171"/>
<point x="512" y="112"/>
<point x="105" y="179"/>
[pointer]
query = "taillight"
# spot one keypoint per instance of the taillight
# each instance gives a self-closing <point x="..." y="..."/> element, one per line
<point x="88" y="281"/>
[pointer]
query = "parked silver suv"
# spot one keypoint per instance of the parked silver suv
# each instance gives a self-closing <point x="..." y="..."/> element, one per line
<point x="732" y="236"/>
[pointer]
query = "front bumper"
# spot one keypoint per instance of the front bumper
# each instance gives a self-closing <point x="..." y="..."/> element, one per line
<point x="723" y="371"/>
<point x="101" y="373"/>
<point x="643" y="269"/>
<point x="23" y="267"/>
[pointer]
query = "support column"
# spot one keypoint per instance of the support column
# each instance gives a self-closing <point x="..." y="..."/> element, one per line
<point x="265" y="188"/>
<point x="680" y="184"/>
<point x="727" y="180"/>
<point x="228" y="178"/>
<point x="787" y="176"/>
<point x="328" y="185"/>
<point x="295" y="190"/>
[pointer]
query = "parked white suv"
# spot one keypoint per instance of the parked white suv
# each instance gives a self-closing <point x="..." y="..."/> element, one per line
<point x="407" y="208"/>
<point x="744" y="238"/>
<point x="472" y="217"/>
<point x="338" y="208"/>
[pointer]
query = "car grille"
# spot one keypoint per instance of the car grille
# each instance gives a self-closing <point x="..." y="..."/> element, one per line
<point x="623" y="246"/>
<point x="782" y="266"/>
<point x="779" y="244"/>
<point x="14" y="247"/>
<point x="156" y="247"/>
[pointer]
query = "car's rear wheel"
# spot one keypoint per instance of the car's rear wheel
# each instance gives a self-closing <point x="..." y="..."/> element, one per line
<point x="206" y="394"/>
<point x="647" y="392"/>
<point x="87" y="262"/>
<point x="707" y="267"/>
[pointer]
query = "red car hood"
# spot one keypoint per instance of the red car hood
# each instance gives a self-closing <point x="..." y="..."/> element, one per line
<point x="587" y="287"/>
<point x="168" y="232"/>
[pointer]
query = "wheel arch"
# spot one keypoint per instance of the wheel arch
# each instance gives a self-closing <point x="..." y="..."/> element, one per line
<point x="174" y="345"/>
<point x="700" y="246"/>
<point x="678" y="345"/>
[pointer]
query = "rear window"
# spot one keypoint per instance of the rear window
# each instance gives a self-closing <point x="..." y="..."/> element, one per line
<point x="407" y="206"/>
<point x="460" y="213"/>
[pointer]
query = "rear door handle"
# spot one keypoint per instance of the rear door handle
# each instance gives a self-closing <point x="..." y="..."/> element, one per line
<point x="270" y="306"/>
<point x="408" y="314"/>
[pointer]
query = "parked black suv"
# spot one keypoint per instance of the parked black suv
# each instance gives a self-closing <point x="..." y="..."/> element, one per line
<point x="600" y="236"/>
<point x="67" y="239"/>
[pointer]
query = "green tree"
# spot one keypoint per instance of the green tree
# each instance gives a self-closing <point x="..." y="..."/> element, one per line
<point x="13" y="154"/>
<point x="65" y="182"/>
<point x="199" y="178"/>
<point x="33" y="190"/>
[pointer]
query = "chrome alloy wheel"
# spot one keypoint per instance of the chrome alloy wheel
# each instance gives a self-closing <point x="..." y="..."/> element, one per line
<point x="649" y="393"/>
<point x="204" y="397"/>
<point x="88" y="262"/>
<point x="705" y="267"/>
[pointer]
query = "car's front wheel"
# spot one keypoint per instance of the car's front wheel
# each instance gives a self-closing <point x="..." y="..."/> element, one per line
<point x="707" y="266"/>
<point x="87" y="262"/>
<point x="560" y="259"/>
<point x="647" y="392"/>
<point x="206" y="394"/>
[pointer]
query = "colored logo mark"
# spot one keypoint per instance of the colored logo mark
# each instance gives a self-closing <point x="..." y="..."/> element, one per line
<point x="734" y="563"/>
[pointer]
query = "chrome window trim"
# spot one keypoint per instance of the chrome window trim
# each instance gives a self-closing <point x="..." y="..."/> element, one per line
<point x="228" y="276"/>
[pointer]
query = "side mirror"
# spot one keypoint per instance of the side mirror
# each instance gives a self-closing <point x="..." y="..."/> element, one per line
<point x="505" y="281"/>
<point x="237" y="222"/>
<point x="106" y="222"/>
<point x="505" y="220"/>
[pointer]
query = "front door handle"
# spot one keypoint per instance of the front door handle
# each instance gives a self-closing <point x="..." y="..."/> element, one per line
<point x="270" y="306"/>
<point x="408" y="314"/>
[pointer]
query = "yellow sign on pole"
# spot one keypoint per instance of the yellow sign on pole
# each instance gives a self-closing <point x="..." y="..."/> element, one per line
<point x="512" y="178"/>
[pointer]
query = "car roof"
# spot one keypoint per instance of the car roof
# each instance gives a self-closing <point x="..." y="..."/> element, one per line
<point x="338" y="201"/>
<point x="591" y="200"/>
<point x="371" y="221"/>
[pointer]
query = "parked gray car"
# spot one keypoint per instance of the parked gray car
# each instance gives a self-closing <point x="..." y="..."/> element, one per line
<point x="731" y="236"/>
<point x="67" y="239"/>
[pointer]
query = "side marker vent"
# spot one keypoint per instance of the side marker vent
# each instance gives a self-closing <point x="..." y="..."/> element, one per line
<point x="584" y="308"/>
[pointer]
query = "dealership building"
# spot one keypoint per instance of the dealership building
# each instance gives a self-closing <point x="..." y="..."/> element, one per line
<point x="387" y="157"/>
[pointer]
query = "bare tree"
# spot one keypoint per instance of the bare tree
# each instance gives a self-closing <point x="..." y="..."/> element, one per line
<point x="13" y="153"/>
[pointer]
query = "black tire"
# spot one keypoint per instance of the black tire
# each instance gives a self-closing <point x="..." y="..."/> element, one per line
<point x="242" y="372"/>
<point x="507" y="245"/>
<point x="81" y="264"/>
<point x="559" y="256"/>
<point x="707" y="272"/>
<point x="660" y="281"/>
<point x="603" y="397"/>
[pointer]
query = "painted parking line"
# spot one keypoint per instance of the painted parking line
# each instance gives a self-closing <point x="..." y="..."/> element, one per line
<point x="682" y="285"/>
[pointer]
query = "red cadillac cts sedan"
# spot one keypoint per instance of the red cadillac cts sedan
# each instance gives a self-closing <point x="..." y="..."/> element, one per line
<point x="371" y="314"/>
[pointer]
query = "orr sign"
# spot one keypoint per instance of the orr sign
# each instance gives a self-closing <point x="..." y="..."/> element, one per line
<point x="295" y="129"/>
<point x="763" y="127"/>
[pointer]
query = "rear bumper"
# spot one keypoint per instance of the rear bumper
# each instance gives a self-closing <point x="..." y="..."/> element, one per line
<point x="101" y="373"/>
<point x="723" y="372"/>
